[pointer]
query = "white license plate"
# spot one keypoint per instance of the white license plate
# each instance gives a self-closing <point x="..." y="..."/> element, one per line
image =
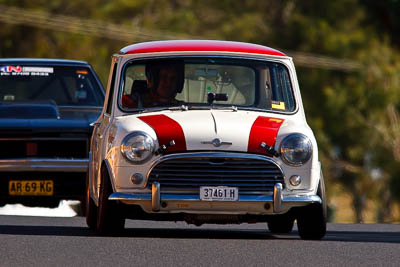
<point x="219" y="193"/>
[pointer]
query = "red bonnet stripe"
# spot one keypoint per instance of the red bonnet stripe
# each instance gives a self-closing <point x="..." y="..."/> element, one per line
<point x="264" y="129"/>
<point x="166" y="129"/>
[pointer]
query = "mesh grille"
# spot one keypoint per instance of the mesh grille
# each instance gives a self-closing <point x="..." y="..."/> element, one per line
<point x="251" y="176"/>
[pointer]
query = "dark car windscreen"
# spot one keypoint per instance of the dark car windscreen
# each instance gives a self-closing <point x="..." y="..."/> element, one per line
<point x="62" y="85"/>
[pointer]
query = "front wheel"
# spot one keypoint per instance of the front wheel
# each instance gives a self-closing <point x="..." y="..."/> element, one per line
<point x="311" y="220"/>
<point x="110" y="220"/>
<point x="90" y="208"/>
<point x="281" y="224"/>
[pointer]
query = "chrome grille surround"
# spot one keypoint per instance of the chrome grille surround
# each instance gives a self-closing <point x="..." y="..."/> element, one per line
<point x="186" y="172"/>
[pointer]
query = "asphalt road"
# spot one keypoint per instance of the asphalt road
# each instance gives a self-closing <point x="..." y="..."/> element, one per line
<point x="48" y="241"/>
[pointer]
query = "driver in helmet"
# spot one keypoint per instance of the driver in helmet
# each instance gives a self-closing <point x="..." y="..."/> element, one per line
<point x="164" y="81"/>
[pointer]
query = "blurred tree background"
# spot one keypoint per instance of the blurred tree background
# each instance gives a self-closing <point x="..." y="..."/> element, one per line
<point x="354" y="112"/>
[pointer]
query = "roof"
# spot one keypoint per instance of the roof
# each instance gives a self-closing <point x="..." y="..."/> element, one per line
<point x="43" y="61"/>
<point x="199" y="46"/>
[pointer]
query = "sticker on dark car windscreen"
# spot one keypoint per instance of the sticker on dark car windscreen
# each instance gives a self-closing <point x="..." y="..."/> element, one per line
<point x="83" y="72"/>
<point x="25" y="71"/>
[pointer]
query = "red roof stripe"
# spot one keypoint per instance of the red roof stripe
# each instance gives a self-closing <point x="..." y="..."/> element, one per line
<point x="199" y="46"/>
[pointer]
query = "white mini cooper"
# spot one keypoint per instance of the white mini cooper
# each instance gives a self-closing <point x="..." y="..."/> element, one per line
<point x="204" y="132"/>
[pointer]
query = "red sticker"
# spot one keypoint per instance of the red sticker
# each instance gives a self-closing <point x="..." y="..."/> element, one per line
<point x="264" y="129"/>
<point x="167" y="130"/>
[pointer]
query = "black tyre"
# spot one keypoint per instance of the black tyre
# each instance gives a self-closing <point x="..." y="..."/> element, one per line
<point x="281" y="224"/>
<point x="110" y="220"/>
<point x="81" y="211"/>
<point x="311" y="220"/>
<point x="90" y="208"/>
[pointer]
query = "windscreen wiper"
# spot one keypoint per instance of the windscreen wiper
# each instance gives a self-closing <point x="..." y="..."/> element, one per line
<point x="155" y="109"/>
<point x="233" y="108"/>
<point x="181" y="107"/>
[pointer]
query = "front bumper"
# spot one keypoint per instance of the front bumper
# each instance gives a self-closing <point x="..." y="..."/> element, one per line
<point x="68" y="176"/>
<point x="43" y="165"/>
<point x="156" y="202"/>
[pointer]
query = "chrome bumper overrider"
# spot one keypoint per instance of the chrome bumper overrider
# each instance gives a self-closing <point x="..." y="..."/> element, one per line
<point x="160" y="202"/>
<point x="44" y="165"/>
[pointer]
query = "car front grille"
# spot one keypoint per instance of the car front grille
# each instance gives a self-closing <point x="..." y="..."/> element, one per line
<point x="252" y="175"/>
<point x="43" y="147"/>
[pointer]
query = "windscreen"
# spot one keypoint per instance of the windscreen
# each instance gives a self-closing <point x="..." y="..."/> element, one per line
<point x="63" y="86"/>
<point x="205" y="82"/>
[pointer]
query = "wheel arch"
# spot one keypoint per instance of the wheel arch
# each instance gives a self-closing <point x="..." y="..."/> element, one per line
<point x="318" y="178"/>
<point x="107" y="166"/>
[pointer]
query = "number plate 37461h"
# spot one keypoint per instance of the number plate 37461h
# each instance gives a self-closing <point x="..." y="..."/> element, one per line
<point x="219" y="193"/>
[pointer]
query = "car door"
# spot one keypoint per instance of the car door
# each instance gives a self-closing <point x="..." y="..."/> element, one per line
<point x="100" y="131"/>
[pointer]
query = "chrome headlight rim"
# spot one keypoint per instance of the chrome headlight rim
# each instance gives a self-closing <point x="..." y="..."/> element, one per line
<point x="308" y="149"/>
<point x="147" y="138"/>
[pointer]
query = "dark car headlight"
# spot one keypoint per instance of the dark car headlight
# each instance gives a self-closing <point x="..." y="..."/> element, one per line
<point x="137" y="147"/>
<point x="296" y="149"/>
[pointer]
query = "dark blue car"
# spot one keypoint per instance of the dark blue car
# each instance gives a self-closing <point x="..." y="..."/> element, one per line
<point x="47" y="107"/>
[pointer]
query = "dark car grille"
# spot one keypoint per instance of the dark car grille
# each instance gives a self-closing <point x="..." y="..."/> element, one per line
<point x="43" y="148"/>
<point x="251" y="176"/>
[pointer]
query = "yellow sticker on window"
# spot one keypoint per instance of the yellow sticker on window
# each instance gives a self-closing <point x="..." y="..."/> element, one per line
<point x="84" y="72"/>
<point x="278" y="105"/>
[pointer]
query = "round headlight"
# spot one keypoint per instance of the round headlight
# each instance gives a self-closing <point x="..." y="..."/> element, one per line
<point x="296" y="149"/>
<point x="137" y="147"/>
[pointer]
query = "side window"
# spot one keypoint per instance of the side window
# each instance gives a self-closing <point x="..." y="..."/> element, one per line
<point x="282" y="97"/>
<point x="111" y="94"/>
